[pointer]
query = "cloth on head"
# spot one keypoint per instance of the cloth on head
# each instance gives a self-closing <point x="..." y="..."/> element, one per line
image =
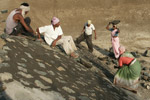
<point x="24" y="9"/>
<point x="122" y="49"/>
<point x="55" y="20"/>
<point x="89" y="22"/>
<point x="115" y="25"/>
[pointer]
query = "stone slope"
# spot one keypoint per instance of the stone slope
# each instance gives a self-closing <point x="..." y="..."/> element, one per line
<point x="36" y="68"/>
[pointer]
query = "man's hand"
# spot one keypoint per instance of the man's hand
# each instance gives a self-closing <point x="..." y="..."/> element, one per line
<point x="109" y="23"/>
<point x="54" y="43"/>
<point x="39" y="40"/>
<point x="95" y="37"/>
<point x="35" y="33"/>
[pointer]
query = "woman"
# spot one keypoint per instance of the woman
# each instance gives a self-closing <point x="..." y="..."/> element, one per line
<point x="129" y="70"/>
<point x="114" y="39"/>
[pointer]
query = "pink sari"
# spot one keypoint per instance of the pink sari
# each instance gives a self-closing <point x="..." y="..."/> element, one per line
<point x="115" y="43"/>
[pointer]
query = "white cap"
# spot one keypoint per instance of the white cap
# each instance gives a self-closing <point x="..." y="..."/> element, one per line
<point x="89" y="22"/>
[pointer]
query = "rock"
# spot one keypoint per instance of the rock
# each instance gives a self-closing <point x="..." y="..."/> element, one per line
<point x="48" y="64"/>
<point x="24" y="82"/>
<point x="25" y="43"/>
<point x="61" y="69"/>
<point x="148" y="74"/>
<point x="148" y="87"/>
<point x="148" y="79"/>
<point x="108" y="63"/>
<point x="29" y="55"/>
<point x="6" y="48"/>
<point x="81" y="83"/>
<point x="48" y="80"/>
<point x="22" y="69"/>
<point x="46" y="47"/>
<point x="25" y="75"/>
<point x="6" y="58"/>
<point x="67" y="89"/>
<point x="22" y="64"/>
<point x="41" y="85"/>
<point x="5" y="76"/>
<point x="85" y="63"/>
<point x="3" y="52"/>
<point x="145" y="68"/>
<point x="51" y="73"/>
<point x="4" y="36"/>
<point x="103" y="58"/>
<point x="4" y="65"/>
<point x="135" y="54"/>
<point x="41" y="65"/>
<point x="40" y="72"/>
<point x="56" y="56"/>
<point x="95" y="69"/>
<point x="93" y="94"/>
<point x="72" y="98"/>
<point x="8" y="39"/>
<point x="1" y="60"/>
<point x="61" y="81"/>
<point x="24" y="59"/>
<point x="17" y="91"/>
<point x="145" y="78"/>
<point x="145" y="73"/>
<point x="115" y="62"/>
<point x="146" y="53"/>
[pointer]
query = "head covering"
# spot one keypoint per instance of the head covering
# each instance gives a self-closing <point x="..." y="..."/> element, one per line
<point x="89" y="22"/>
<point x="24" y="7"/>
<point x="122" y="49"/>
<point x="55" y="20"/>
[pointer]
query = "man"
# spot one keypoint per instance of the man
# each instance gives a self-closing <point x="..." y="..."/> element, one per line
<point x="114" y="38"/>
<point x="16" y="22"/>
<point x="53" y="36"/>
<point x="87" y="34"/>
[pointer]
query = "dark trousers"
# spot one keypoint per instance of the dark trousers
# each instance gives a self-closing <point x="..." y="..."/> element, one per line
<point x="88" y="39"/>
<point x="20" y="29"/>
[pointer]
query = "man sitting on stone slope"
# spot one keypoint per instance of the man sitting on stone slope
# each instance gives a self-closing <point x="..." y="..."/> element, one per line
<point x="16" y="22"/>
<point x="53" y="36"/>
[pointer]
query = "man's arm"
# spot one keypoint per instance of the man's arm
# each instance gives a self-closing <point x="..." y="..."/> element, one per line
<point x="19" y="17"/>
<point x="118" y="30"/>
<point x="54" y="42"/>
<point x="107" y="27"/>
<point x="83" y="30"/>
<point x="95" y="34"/>
<point x="38" y="33"/>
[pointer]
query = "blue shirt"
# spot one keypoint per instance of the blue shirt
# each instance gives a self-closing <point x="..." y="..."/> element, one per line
<point x="116" y="34"/>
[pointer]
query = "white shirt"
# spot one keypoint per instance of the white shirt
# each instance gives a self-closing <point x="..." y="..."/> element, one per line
<point x="50" y="34"/>
<point x="88" y="30"/>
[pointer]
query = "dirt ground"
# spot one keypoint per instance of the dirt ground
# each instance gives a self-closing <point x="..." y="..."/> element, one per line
<point x="134" y="16"/>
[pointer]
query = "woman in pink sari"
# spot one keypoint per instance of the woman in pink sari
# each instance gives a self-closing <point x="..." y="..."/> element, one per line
<point x="114" y="39"/>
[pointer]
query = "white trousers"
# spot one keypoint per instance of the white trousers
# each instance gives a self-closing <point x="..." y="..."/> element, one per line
<point x="67" y="43"/>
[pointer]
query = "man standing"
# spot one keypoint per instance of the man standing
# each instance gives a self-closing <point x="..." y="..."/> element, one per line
<point x="16" y="22"/>
<point x="53" y="36"/>
<point x="87" y="34"/>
